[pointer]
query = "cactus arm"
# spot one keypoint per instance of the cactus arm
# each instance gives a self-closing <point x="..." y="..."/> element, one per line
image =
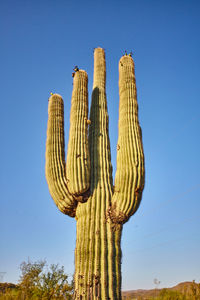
<point x="91" y="247"/>
<point x="129" y="178"/>
<point x="99" y="143"/>
<point x="55" y="158"/>
<point x="101" y="170"/>
<point x="78" y="161"/>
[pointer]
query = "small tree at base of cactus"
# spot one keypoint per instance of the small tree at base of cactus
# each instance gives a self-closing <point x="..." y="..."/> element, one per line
<point x="41" y="282"/>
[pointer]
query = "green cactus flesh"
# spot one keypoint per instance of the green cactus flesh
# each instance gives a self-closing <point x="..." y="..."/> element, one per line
<point x="83" y="187"/>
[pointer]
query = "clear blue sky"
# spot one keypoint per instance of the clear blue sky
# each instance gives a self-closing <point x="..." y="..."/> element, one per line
<point x="41" y="42"/>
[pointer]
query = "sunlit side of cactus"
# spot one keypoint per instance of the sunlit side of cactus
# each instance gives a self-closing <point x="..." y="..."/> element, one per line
<point x="83" y="187"/>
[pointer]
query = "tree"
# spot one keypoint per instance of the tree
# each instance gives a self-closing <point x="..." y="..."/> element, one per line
<point x="37" y="283"/>
<point x="30" y="279"/>
<point x="55" y="284"/>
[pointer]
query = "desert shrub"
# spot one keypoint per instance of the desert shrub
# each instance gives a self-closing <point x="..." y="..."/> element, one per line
<point x="39" y="282"/>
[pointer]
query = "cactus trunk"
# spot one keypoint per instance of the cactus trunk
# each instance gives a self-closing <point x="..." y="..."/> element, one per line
<point x="84" y="187"/>
<point x="97" y="254"/>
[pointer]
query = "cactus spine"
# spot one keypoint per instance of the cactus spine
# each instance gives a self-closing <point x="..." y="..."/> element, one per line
<point x="83" y="188"/>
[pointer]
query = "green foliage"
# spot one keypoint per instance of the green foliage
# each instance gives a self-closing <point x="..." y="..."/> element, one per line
<point x="195" y="290"/>
<point x="170" y="295"/>
<point x="55" y="284"/>
<point x="182" y="291"/>
<point x="37" y="281"/>
<point x="30" y="280"/>
<point x="193" y="293"/>
<point x="10" y="293"/>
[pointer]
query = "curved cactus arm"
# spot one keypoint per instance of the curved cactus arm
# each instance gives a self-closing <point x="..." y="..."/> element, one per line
<point x="129" y="178"/>
<point x="55" y="157"/>
<point x="78" y="161"/>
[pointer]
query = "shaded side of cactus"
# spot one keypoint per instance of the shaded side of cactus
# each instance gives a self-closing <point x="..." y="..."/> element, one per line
<point x="83" y="187"/>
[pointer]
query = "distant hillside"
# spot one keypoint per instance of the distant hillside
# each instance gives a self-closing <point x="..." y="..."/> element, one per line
<point x="187" y="288"/>
<point x="7" y="286"/>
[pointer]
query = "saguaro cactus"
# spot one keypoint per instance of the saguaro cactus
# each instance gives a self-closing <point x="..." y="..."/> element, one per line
<point x="83" y="187"/>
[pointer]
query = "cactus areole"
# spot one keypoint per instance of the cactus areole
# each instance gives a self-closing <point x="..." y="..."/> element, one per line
<point x="82" y="187"/>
